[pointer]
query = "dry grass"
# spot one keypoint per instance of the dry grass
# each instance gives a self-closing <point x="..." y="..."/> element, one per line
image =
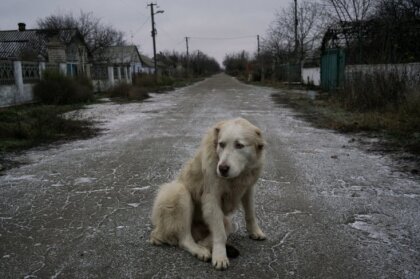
<point x="58" y="89"/>
<point x="399" y="126"/>
<point x="144" y="84"/>
<point x="30" y="125"/>
<point x="128" y="92"/>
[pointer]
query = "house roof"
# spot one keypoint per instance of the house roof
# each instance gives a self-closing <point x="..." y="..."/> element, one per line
<point x="146" y="61"/>
<point x="118" y="54"/>
<point x="122" y="55"/>
<point x="14" y="43"/>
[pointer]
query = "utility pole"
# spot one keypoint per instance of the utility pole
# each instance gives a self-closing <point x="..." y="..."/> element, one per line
<point x="152" y="14"/>
<point x="188" y="57"/>
<point x="258" y="44"/>
<point x="296" y="32"/>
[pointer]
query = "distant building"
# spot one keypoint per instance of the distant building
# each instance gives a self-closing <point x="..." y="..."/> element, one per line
<point x="121" y="56"/>
<point x="148" y="65"/>
<point x="62" y="46"/>
<point x="125" y="56"/>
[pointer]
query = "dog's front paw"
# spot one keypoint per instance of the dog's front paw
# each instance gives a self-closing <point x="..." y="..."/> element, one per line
<point x="220" y="262"/>
<point x="203" y="254"/>
<point x="257" y="235"/>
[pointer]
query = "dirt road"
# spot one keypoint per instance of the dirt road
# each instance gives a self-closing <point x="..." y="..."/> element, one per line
<point x="330" y="210"/>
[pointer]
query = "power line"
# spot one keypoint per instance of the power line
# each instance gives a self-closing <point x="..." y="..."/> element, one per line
<point x="143" y="24"/>
<point x="222" y="38"/>
<point x="177" y="43"/>
<point x="168" y="34"/>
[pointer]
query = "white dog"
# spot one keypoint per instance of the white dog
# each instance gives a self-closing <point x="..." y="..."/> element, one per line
<point x="193" y="210"/>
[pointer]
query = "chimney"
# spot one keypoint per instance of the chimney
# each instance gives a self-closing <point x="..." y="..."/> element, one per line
<point x="22" y="26"/>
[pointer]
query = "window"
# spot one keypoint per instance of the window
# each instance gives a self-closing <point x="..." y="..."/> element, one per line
<point x="71" y="70"/>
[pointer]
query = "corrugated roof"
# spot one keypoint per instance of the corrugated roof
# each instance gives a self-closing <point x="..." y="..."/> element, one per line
<point x="14" y="43"/>
<point x="146" y="60"/>
<point x="118" y="54"/>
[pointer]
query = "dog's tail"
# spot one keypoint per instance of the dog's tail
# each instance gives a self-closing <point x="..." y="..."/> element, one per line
<point x="231" y="251"/>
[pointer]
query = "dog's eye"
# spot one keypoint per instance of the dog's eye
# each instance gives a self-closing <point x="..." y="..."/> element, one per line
<point x="239" y="145"/>
<point x="222" y="144"/>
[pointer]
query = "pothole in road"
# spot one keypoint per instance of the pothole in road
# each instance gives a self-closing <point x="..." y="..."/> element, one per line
<point x="369" y="225"/>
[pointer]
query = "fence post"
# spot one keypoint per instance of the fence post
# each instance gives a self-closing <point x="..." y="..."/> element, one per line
<point x="88" y="72"/>
<point x="119" y="73"/>
<point x="111" y="75"/>
<point x="17" y="70"/>
<point x="131" y="73"/>
<point x="42" y="67"/>
<point x="63" y="68"/>
<point x="127" y="78"/>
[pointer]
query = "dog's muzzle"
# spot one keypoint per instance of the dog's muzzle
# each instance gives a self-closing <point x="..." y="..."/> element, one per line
<point x="224" y="170"/>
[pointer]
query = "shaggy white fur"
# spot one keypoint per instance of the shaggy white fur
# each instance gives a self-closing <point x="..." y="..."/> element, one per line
<point x="194" y="210"/>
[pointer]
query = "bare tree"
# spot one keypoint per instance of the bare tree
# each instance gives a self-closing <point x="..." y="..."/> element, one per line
<point x="311" y="26"/>
<point x="200" y="64"/>
<point x="398" y="9"/>
<point x="349" y="10"/>
<point x="236" y="63"/>
<point x="96" y="35"/>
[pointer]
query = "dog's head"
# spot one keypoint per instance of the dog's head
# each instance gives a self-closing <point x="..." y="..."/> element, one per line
<point x="239" y="146"/>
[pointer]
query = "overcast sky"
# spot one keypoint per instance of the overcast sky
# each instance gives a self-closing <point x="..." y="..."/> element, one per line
<point x="193" y="18"/>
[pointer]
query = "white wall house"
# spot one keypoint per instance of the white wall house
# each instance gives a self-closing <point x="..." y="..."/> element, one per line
<point x="25" y="53"/>
<point x="118" y="64"/>
<point x="311" y="76"/>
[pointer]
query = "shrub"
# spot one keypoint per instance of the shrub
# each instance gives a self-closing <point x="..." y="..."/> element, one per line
<point x="58" y="89"/>
<point x="142" y="80"/>
<point x="119" y="91"/>
<point x="34" y="124"/>
<point x="166" y="81"/>
<point x="127" y="91"/>
<point x="376" y="90"/>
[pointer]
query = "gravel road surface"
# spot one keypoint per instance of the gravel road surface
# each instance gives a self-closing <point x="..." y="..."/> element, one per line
<point x="328" y="208"/>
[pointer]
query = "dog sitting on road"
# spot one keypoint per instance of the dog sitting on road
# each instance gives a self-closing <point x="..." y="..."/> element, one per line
<point x="194" y="211"/>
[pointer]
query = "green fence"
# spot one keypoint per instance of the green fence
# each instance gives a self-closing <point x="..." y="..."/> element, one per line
<point x="332" y="69"/>
<point x="288" y="72"/>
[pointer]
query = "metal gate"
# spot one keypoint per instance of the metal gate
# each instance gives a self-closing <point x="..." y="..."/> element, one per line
<point x="332" y="69"/>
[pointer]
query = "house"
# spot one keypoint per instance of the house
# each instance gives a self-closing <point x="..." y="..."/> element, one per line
<point x="148" y="65"/>
<point x="125" y="56"/>
<point x="114" y="64"/>
<point x="64" y="48"/>
<point x="25" y="54"/>
<point x="122" y="56"/>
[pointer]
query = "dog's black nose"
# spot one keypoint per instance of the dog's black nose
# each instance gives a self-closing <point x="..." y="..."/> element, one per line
<point x="224" y="169"/>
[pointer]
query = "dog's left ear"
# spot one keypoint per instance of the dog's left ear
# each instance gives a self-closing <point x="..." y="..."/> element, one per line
<point x="216" y="136"/>
<point x="260" y="140"/>
<point x="216" y="132"/>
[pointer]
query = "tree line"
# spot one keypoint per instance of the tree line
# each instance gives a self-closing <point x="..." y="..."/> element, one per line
<point x="370" y="31"/>
<point x="196" y="63"/>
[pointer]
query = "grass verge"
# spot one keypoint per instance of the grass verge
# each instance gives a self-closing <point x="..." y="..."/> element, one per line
<point x="397" y="129"/>
<point x="145" y="84"/>
<point x="32" y="125"/>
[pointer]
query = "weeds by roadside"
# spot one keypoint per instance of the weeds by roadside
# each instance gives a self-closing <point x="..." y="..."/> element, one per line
<point x="384" y="102"/>
<point x="27" y="126"/>
<point x="128" y="92"/>
<point x="42" y="122"/>
<point x="58" y="89"/>
<point x="30" y="125"/>
<point x="145" y="84"/>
